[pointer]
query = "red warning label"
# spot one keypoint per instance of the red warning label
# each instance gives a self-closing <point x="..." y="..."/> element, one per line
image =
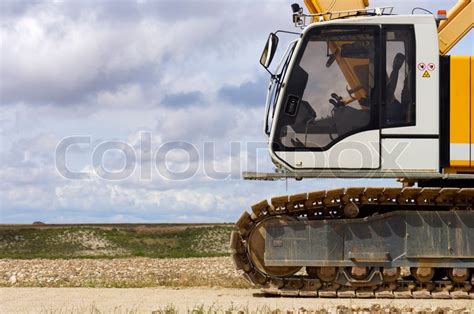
<point x="421" y="66"/>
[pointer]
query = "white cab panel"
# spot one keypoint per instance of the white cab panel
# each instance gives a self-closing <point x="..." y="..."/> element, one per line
<point x="359" y="151"/>
<point x="410" y="154"/>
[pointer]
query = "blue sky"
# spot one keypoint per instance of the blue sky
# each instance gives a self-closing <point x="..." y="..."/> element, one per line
<point x="144" y="73"/>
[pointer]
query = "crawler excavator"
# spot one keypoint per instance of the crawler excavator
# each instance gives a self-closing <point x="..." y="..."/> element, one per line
<point x="364" y="93"/>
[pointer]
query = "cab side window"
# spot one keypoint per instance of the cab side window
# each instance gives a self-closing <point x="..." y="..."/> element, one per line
<point x="399" y="106"/>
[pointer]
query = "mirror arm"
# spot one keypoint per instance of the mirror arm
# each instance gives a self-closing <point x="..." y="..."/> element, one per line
<point x="277" y="77"/>
<point x="287" y="32"/>
<point x="270" y="72"/>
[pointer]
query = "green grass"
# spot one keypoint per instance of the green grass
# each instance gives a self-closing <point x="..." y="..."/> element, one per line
<point x="117" y="241"/>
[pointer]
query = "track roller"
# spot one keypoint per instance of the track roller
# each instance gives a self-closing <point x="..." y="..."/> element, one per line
<point x="423" y="274"/>
<point x="459" y="275"/>
<point x="326" y="274"/>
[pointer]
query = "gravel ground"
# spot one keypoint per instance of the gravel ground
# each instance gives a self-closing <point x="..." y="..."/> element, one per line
<point x="203" y="300"/>
<point x="120" y="273"/>
<point x="171" y="282"/>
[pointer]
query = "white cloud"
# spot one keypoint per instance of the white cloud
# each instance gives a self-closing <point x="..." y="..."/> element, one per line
<point x="124" y="96"/>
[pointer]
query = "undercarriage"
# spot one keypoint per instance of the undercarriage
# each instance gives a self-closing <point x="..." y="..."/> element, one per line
<point x="360" y="242"/>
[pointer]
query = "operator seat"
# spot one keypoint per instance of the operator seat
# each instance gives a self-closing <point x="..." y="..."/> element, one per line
<point x="398" y="62"/>
<point x="395" y="110"/>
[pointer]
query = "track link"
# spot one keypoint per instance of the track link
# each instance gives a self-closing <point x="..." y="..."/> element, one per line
<point x="330" y="205"/>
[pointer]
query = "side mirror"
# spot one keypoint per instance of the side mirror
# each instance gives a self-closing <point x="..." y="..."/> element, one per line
<point x="269" y="50"/>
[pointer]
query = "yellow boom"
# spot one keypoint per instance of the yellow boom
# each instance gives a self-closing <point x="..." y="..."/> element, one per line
<point x="460" y="21"/>
<point x="322" y="6"/>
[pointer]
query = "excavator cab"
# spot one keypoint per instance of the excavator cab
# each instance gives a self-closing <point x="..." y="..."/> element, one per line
<point x="337" y="87"/>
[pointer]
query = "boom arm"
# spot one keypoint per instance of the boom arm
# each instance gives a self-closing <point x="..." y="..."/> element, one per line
<point x="460" y="21"/>
<point x="321" y="6"/>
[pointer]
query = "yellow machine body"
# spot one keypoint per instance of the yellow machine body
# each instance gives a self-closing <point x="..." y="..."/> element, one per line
<point x="461" y="113"/>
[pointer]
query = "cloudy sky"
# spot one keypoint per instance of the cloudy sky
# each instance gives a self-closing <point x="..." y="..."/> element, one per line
<point x="130" y="79"/>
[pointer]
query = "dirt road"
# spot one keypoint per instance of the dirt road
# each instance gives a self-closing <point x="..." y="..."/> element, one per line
<point x="146" y="300"/>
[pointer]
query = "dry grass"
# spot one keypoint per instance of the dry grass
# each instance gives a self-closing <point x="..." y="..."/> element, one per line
<point x="114" y="241"/>
<point x="374" y="309"/>
<point x="86" y="309"/>
<point x="201" y="309"/>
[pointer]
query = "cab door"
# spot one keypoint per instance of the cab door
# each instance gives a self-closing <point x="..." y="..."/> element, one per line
<point x="328" y="114"/>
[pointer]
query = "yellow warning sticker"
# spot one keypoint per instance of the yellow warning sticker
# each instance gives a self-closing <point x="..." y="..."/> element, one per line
<point x="426" y="74"/>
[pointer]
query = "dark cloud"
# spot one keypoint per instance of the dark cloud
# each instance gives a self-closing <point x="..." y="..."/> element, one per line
<point x="128" y="11"/>
<point x="67" y="53"/>
<point x="182" y="99"/>
<point x="48" y="91"/>
<point x="13" y="8"/>
<point x="248" y="94"/>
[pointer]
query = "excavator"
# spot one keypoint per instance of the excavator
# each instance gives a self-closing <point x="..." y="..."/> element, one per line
<point x="363" y="93"/>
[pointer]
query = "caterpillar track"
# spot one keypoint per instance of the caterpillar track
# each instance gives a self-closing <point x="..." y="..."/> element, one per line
<point x="248" y="244"/>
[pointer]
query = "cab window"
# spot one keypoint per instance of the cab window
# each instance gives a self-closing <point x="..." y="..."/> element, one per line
<point x="399" y="105"/>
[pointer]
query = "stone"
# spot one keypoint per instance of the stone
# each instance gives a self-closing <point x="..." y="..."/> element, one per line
<point x="12" y="280"/>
